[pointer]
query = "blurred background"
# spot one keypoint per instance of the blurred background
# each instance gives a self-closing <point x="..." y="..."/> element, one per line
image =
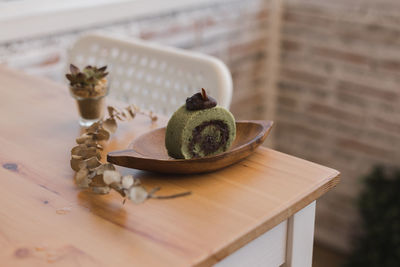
<point x="326" y="71"/>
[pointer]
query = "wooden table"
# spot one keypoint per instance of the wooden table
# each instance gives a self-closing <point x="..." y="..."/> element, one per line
<point x="259" y="211"/>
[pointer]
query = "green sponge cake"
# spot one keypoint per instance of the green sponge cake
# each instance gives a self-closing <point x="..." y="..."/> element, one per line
<point x="199" y="128"/>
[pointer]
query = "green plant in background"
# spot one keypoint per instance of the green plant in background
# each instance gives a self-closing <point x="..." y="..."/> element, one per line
<point x="379" y="206"/>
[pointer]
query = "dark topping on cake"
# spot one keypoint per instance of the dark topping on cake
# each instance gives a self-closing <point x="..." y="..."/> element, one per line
<point x="200" y="101"/>
<point x="209" y="143"/>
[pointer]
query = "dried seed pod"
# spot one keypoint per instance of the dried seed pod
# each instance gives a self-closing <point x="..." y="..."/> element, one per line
<point x="75" y="163"/>
<point x="92" y="163"/>
<point x="137" y="194"/>
<point x="132" y="111"/>
<point x="94" y="128"/>
<point x="85" y="152"/>
<point x="83" y="138"/>
<point x="97" y="181"/>
<point x="136" y="182"/>
<point x="117" y="187"/>
<point x="77" y="157"/>
<point x="92" y="174"/>
<point x="110" y="125"/>
<point x="102" y="190"/>
<point x="153" y="116"/>
<point x="93" y="143"/>
<point x="110" y="177"/>
<point x="82" y="179"/>
<point x="127" y="114"/>
<point x="118" y="116"/>
<point x="127" y="181"/>
<point x="103" y="167"/>
<point x="134" y="108"/>
<point x="102" y="135"/>
<point x="111" y="111"/>
<point x="76" y="150"/>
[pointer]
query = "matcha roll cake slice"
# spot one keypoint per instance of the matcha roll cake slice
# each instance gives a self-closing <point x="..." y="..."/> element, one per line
<point x="199" y="129"/>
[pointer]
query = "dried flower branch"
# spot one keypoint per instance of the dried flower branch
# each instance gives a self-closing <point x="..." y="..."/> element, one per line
<point x="102" y="177"/>
<point x="171" y="196"/>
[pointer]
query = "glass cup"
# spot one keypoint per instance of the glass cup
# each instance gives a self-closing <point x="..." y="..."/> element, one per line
<point x="91" y="109"/>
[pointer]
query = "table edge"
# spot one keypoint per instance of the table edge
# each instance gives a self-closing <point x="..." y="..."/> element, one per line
<point x="326" y="185"/>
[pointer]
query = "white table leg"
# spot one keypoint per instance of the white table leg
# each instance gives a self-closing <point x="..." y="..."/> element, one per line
<point x="300" y="237"/>
<point x="267" y="250"/>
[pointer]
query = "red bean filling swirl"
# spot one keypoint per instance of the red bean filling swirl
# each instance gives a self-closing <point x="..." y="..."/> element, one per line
<point x="208" y="143"/>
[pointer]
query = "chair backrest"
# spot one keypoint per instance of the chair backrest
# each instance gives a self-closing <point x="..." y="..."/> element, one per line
<point x="154" y="77"/>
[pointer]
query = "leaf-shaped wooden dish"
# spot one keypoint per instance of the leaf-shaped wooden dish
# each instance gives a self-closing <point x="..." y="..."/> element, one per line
<point x="148" y="151"/>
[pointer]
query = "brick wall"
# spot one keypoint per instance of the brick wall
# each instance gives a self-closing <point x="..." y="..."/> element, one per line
<point x="232" y="30"/>
<point x="338" y="97"/>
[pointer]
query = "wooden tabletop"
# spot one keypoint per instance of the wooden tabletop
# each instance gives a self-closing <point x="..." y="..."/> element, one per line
<point x="45" y="219"/>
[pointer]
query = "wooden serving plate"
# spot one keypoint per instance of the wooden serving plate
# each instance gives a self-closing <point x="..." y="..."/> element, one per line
<point x="148" y="151"/>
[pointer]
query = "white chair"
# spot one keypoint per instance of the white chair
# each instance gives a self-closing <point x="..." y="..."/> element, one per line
<point x="154" y="77"/>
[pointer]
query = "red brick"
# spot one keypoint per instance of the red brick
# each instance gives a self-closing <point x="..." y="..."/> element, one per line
<point x="262" y="14"/>
<point x="367" y="90"/>
<point x="298" y="129"/>
<point x="368" y="149"/>
<point x="242" y="74"/>
<point x="246" y="89"/>
<point x="341" y="55"/>
<point x="303" y="76"/>
<point x="390" y="65"/>
<point x="334" y="112"/>
<point x="386" y="125"/>
<point x="290" y="45"/>
<point x="353" y="100"/>
<point x="250" y="106"/>
<point x="249" y="46"/>
<point x="287" y="101"/>
<point x="306" y="19"/>
<point x="250" y="99"/>
<point x="244" y="58"/>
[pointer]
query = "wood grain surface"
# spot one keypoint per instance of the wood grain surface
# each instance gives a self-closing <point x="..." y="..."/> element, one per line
<point x="46" y="220"/>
